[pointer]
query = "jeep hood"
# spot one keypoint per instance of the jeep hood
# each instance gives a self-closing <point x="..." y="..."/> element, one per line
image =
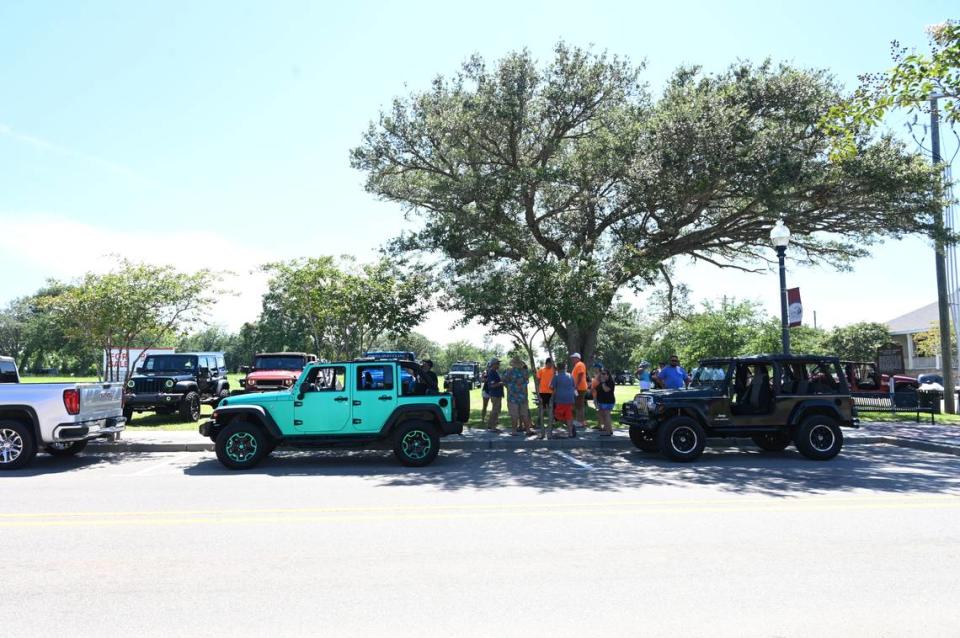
<point x="161" y="375"/>
<point x="686" y="393"/>
<point x="256" y="399"/>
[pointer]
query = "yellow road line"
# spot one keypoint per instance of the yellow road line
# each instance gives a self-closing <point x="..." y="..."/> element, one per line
<point x="319" y="515"/>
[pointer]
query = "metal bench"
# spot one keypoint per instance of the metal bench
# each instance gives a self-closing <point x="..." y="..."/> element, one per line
<point x="893" y="403"/>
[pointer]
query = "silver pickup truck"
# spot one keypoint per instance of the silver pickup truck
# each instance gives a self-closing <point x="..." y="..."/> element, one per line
<point x="60" y="418"/>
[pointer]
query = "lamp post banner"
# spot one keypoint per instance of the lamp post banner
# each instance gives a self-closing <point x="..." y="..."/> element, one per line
<point x="794" y="307"/>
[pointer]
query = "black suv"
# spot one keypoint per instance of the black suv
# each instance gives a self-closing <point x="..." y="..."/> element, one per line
<point x="773" y="399"/>
<point x="8" y="370"/>
<point x="168" y="383"/>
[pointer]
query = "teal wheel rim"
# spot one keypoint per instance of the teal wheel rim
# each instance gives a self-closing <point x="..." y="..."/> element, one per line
<point x="416" y="445"/>
<point x="241" y="447"/>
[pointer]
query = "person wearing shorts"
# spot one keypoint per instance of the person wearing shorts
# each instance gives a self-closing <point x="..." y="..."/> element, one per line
<point x="495" y="390"/>
<point x="545" y="392"/>
<point x="605" y="401"/>
<point x="516" y="380"/>
<point x="579" y="374"/>
<point x="564" y="396"/>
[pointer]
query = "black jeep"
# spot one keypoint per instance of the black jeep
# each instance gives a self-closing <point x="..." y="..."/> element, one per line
<point x="168" y="383"/>
<point x="775" y="400"/>
<point x="468" y="371"/>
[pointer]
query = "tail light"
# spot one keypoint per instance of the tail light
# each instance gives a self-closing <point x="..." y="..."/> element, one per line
<point x="71" y="401"/>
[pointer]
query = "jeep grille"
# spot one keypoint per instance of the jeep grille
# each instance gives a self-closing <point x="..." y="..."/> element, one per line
<point x="148" y="385"/>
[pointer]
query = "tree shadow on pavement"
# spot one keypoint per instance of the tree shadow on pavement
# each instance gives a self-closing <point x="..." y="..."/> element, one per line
<point x="876" y="468"/>
<point x="45" y="464"/>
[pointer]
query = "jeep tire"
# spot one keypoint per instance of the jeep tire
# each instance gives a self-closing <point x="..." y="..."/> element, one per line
<point x="223" y="394"/>
<point x="65" y="449"/>
<point x="772" y="442"/>
<point x="17" y="445"/>
<point x="241" y="445"/>
<point x="416" y="444"/>
<point x="645" y="441"/>
<point x="819" y="438"/>
<point x="460" y="392"/>
<point x="190" y="407"/>
<point x="681" y="439"/>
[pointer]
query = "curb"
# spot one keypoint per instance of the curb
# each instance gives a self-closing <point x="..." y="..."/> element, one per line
<point x="510" y="444"/>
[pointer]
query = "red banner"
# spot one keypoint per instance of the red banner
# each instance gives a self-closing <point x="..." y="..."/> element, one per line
<point x="794" y="307"/>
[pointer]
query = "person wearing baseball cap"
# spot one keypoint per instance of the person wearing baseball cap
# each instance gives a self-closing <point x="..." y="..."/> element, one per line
<point x="579" y="374"/>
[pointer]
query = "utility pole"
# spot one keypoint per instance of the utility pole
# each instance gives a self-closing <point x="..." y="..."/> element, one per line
<point x="946" y="352"/>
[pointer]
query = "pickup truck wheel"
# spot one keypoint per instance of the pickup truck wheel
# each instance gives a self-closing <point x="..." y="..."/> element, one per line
<point x="190" y="407"/>
<point x="65" y="449"/>
<point x="645" y="441"/>
<point x="819" y="438"/>
<point x="771" y="442"/>
<point x="681" y="439"/>
<point x="241" y="445"/>
<point x="416" y="444"/>
<point x="17" y="447"/>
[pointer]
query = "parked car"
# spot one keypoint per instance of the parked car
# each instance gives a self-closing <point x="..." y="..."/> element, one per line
<point x="467" y="370"/>
<point x="775" y="400"/>
<point x="623" y="377"/>
<point x="862" y="376"/>
<point x="59" y="418"/>
<point x="339" y="405"/>
<point x="8" y="370"/>
<point x="180" y="382"/>
<point x="274" y="371"/>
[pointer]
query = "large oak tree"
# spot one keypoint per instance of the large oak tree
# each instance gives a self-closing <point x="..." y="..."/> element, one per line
<point x="572" y="172"/>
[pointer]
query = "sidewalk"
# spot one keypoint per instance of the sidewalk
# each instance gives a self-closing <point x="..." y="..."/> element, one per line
<point x="922" y="436"/>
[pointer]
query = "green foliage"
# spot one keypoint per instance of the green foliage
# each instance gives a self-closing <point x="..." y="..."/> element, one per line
<point x="857" y="341"/>
<point x="914" y="78"/>
<point x="344" y="309"/>
<point x="620" y="334"/>
<point x="133" y="305"/>
<point x="568" y="179"/>
<point x="928" y="341"/>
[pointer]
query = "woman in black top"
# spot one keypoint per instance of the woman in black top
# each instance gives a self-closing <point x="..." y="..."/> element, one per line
<point x="606" y="401"/>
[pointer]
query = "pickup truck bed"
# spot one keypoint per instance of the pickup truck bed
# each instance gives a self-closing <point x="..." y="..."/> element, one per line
<point x="57" y="417"/>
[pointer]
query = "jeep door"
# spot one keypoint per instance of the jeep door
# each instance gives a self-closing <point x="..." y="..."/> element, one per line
<point x="376" y="396"/>
<point x="205" y="380"/>
<point x="325" y="404"/>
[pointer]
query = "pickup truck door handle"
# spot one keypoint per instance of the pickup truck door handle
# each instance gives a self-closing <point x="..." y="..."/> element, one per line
<point x="298" y="404"/>
<point x="385" y="397"/>
<point x="340" y="399"/>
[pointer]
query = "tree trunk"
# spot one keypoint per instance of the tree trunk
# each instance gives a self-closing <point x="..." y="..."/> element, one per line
<point x="582" y="339"/>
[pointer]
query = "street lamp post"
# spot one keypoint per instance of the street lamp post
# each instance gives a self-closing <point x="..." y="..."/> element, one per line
<point x="780" y="237"/>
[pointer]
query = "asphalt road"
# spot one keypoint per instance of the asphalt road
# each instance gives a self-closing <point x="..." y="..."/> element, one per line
<point x="741" y="543"/>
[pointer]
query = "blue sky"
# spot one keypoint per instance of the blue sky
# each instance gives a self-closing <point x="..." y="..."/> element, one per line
<point x="217" y="133"/>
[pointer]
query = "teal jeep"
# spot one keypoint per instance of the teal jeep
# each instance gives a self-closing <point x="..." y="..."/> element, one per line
<point x="363" y="403"/>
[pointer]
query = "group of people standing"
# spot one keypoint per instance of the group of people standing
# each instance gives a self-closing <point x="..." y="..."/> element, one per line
<point x="563" y="392"/>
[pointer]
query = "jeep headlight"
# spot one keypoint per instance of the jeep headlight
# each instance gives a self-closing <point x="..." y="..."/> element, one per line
<point x="131" y="384"/>
<point x="168" y="383"/>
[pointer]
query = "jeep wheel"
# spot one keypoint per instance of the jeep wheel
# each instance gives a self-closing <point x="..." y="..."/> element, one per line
<point x="416" y="444"/>
<point x="819" y="438"/>
<point x="17" y="447"/>
<point x="241" y="445"/>
<point x="190" y="407"/>
<point x="223" y="394"/>
<point x="771" y="442"/>
<point x="646" y="441"/>
<point x="65" y="449"/>
<point x="681" y="439"/>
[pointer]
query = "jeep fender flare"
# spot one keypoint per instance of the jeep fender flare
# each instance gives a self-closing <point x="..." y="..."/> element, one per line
<point x="222" y="384"/>
<point x="693" y="410"/>
<point x="403" y="413"/>
<point x="257" y="414"/>
<point x="186" y="386"/>
<point x="816" y="406"/>
<point x="26" y="414"/>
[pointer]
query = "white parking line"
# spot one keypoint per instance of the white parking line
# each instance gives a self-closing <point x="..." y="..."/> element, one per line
<point x="155" y="466"/>
<point x="575" y="461"/>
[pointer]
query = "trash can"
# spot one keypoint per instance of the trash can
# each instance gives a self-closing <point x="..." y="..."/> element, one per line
<point x="929" y="398"/>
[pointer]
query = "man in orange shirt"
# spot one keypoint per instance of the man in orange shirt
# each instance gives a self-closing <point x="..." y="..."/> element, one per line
<point x="579" y="375"/>
<point x="545" y="392"/>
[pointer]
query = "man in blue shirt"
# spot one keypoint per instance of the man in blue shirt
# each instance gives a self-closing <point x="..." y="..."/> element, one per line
<point x="673" y="376"/>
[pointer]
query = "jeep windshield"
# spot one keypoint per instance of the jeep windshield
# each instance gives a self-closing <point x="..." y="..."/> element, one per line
<point x="279" y="363"/>
<point x="712" y="377"/>
<point x="461" y="367"/>
<point x="170" y="363"/>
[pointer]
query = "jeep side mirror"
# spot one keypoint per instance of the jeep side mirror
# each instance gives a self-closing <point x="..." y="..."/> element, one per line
<point x="245" y="369"/>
